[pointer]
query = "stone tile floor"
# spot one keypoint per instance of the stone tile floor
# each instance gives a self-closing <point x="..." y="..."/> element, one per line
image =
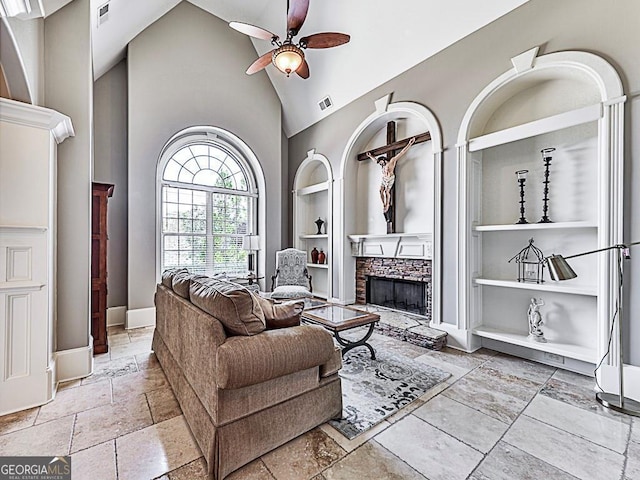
<point x="496" y="418"/>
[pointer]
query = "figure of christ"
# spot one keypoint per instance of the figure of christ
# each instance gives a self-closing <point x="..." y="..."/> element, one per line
<point x="388" y="174"/>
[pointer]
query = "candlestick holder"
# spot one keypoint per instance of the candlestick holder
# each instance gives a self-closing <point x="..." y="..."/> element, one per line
<point x="522" y="178"/>
<point x="546" y="158"/>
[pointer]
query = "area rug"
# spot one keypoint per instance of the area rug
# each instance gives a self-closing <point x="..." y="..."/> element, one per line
<point x="372" y="390"/>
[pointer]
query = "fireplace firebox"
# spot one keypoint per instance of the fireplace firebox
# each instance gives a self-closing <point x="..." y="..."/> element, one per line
<point x="399" y="294"/>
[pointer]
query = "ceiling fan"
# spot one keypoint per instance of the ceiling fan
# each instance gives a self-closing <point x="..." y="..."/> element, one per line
<point x="287" y="56"/>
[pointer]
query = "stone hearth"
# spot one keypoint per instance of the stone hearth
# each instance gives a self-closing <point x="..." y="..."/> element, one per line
<point x="406" y="326"/>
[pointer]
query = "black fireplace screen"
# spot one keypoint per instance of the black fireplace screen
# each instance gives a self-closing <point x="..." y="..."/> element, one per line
<point x="404" y="295"/>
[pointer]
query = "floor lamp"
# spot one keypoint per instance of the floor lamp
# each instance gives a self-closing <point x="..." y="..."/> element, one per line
<point x="559" y="269"/>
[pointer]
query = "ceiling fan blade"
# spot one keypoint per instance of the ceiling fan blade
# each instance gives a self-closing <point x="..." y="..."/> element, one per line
<point x="260" y="63"/>
<point x="324" y="40"/>
<point x="253" y="31"/>
<point x="303" y="69"/>
<point x="296" y="15"/>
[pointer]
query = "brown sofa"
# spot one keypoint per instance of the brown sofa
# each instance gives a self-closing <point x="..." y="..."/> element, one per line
<point x="242" y="395"/>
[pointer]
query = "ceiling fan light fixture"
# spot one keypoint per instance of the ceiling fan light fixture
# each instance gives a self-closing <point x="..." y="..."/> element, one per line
<point x="287" y="58"/>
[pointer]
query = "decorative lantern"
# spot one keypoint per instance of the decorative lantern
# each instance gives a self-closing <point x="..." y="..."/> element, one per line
<point x="530" y="261"/>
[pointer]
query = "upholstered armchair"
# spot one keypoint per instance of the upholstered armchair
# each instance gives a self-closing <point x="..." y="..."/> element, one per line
<point x="292" y="280"/>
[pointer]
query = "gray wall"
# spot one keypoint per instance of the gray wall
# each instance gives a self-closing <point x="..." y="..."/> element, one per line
<point x="188" y="69"/>
<point x="29" y="35"/>
<point x="69" y="90"/>
<point x="450" y="80"/>
<point x="110" y="166"/>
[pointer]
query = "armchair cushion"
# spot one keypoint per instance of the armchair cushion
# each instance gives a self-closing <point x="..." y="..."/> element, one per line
<point x="281" y="315"/>
<point x="244" y="361"/>
<point x="290" y="291"/>
<point x="235" y="307"/>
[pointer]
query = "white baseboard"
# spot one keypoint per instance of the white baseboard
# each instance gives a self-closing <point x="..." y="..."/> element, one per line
<point x="74" y="363"/>
<point x="116" y="316"/>
<point x="141" y="317"/>
<point x="609" y="381"/>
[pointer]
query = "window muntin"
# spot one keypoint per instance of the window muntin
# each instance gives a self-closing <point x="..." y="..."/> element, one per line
<point x="208" y="206"/>
<point x="206" y="165"/>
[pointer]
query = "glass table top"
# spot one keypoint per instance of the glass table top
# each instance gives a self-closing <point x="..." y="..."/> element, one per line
<point x="339" y="317"/>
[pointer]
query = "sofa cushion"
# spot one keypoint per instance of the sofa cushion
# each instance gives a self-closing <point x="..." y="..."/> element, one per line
<point x="246" y="361"/>
<point x="281" y="315"/>
<point x="291" y="291"/>
<point x="235" y="307"/>
<point x="167" y="276"/>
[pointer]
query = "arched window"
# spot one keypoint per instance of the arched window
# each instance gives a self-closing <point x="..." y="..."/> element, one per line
<point x="208" y="205"/>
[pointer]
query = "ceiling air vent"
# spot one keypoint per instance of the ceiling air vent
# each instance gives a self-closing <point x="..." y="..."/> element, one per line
<point x="103" y="13"/>
<point x="325" y="103"/>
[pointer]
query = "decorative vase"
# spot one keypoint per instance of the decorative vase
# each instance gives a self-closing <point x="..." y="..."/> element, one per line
<point x="319" y="223"/>
<point x="322" y="257"/>
<point x="314" y="255"/>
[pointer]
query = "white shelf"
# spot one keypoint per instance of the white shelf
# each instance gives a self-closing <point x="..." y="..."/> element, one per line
<point x="318" y="187"/>
<point x="304" y="237"/>
<point x="537" y="127"/>
<point x="318" y="265"/>
<point x="577" y="352"/>
<point x="588" y="290"/>
<point x="533" y="226"/>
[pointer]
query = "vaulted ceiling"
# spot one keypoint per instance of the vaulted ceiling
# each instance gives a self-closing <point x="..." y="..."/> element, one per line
<point x="387" y="38"/>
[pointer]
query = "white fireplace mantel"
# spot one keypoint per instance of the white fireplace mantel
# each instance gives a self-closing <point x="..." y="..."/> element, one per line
<point x="393" y="245"/>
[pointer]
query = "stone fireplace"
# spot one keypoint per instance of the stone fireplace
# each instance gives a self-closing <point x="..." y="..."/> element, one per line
<point x="405" y="277"/>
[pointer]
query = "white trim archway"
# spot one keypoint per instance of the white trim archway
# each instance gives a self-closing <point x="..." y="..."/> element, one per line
<point x="343" y="211"/>
<point x="529" y="68"/>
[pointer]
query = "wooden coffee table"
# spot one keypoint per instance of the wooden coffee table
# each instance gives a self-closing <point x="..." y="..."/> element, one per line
<point x="338" y="318"/>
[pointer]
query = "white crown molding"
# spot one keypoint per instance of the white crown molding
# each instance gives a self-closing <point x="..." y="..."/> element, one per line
<point x="22" y="9"/>
<point x="20" y="113"/>
<point x="14" y="8"/>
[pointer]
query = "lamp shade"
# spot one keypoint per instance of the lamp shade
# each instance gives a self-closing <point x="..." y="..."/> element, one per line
<point x="288" y="58"/>
<point x="559" y="269"/>
<point x="251" y="242"/>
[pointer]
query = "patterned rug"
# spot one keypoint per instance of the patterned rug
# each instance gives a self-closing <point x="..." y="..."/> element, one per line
<point x="374" y="389"/>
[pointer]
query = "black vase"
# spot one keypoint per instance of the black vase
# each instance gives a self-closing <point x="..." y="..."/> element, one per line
<point x="319" y="222"/>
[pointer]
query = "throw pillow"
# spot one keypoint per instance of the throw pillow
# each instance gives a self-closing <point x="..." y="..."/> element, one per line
<point x="181" y="282"/>
<point x="167" y="276"/>
<point x="233" y="305"/>
<point x="291" y="291"/>
<point x="281" y="315"/>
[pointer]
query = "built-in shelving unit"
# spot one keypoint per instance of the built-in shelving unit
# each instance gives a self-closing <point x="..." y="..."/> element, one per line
<point x="547" y="101"/>
<point x="312" y="199"/>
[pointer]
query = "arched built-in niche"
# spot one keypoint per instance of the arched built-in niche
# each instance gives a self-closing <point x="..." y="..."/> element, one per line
<point x="572" y="101"/>
<point x="313" y="200"/>
<point x="346" y="213"/>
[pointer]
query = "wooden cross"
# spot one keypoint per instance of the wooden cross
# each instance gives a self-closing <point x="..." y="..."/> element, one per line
<point x="390" y="150"/>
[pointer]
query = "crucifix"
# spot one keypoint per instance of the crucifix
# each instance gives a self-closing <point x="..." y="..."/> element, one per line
<point x="387" y="158"/>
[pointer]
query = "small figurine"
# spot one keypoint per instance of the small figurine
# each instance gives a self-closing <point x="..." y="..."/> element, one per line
<point x="535" y="320"/>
